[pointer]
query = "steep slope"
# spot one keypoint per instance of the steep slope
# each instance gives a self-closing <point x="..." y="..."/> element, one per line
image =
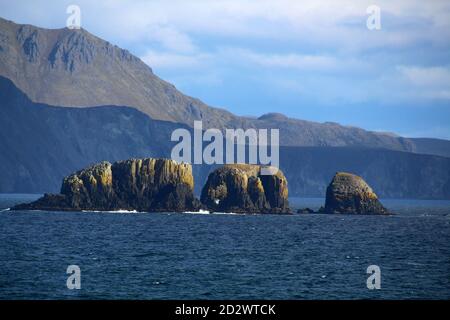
<point x="393" y="174"/>
<point x="438" y="147"/>
<point x="41" y="144"/>
<point x="73" y="68"/>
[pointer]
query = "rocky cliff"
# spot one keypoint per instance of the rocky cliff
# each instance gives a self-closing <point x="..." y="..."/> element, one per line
<point x="136" y="184"/>
<point x="52" y="66"/>
<point x="241" y="188"/>
<point x="42" y="144"/>
<point x="116" y="117"/>
<point x="350" y="194"/>
<point x="392" y="174"/>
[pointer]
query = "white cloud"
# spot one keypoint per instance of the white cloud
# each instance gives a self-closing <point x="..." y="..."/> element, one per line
<point x="233" y="56"/>
<point x="175" y="22"/>
<point x="296" y="61"/>
<point x="171" y="39"/>
<point x="170" y="60"/>
<point x="426" y="76"/>
<point x="289" y="60"/>
<point x="427" y="82"/>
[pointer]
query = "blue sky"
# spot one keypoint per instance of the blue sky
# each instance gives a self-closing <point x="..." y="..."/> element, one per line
<point x="313" y="60"/>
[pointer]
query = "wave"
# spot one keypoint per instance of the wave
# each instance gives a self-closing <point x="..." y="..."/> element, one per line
<point x="111" y="211"/>
<point x="198" y="212"/>
<point x="228" y="213"/>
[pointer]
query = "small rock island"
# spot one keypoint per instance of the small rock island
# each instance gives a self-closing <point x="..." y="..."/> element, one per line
<point x="164" y="185"/>
<point x="241" y="188"/>
<point x="350" y="194"/>
<point x="149" y="185"/>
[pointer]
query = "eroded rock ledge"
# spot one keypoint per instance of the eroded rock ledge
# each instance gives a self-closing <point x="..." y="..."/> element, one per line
<point x="241" y="188"/>
<point x="135" y="184"/>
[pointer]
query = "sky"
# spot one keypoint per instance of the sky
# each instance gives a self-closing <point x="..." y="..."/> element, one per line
<point x="312" y="60"/>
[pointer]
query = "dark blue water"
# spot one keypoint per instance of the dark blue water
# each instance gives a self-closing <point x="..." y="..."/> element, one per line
<point x="197" y="256"/>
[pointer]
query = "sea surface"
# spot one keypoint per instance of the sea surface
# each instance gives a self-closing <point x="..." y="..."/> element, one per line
<point x="225" y="256"/>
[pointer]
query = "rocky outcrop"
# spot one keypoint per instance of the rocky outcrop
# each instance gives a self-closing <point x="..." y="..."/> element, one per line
<point x="135" y="184"/>
<point x="350" y="194"/>
<point x="241" y="188"/>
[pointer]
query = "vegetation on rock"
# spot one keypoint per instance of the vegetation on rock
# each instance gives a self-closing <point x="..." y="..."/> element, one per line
<point x="349" y="193"/>
<point x="241" y="188"/>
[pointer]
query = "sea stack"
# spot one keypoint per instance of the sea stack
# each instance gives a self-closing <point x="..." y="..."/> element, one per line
<point x="135" y="184"/>
<point x="241" y="188"/>
<point x="350" y="194"/>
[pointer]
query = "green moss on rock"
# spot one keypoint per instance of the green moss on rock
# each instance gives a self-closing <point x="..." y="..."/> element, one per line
<point x="134" y="184"/>
<point x="349" y="193"/>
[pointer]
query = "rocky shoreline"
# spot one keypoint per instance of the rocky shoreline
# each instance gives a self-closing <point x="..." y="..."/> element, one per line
<point x="163" y="185"/>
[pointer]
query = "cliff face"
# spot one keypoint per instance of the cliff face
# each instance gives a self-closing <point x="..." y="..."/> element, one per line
<point x="348" y="193"/>
<point x="158" y="184"/>
<point x="136" y="184"/>
<point x="241" y="188"/>
<point x="54" y="66"/>
<point x="392" y="174"/>
<point x="41" y="145"/>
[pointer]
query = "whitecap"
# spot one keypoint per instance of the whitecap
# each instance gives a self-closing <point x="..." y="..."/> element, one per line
<point x="198" y="212"/>
<point x="227" y="213"/>
<point x="111" y="211"/>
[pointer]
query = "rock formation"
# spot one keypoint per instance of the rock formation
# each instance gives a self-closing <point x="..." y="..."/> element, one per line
<point x="135" y="184"/>
<point x="349" y="193"/>
<point x="241" y="188"/>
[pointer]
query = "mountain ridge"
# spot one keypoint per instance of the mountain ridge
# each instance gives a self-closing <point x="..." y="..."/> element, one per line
<point x="73" y="68"/>
<point x="41" y="144"/>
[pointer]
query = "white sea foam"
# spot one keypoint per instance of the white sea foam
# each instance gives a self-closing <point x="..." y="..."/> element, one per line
<point x="7" y="209"/>
<point x="227" y="213"/>
<point x="198" y="212"/>
<point x="112" y="211"/>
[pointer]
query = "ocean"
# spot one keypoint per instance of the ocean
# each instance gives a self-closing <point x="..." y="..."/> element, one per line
<point x="226" y="256"/>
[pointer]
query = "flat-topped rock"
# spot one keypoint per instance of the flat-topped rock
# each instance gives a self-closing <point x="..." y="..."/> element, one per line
<point x="135" y="184"/>
<point x="241" y="188"/>
<point x="350" y="194"/>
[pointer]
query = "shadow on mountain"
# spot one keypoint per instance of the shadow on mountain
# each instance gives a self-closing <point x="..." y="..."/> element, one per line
<point x="41" y="144"/>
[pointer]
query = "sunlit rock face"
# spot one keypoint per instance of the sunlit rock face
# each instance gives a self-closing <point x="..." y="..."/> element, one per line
<point x="135" y="184"/>
<point x="349" y="193"/>
<point x="241" y="188"/>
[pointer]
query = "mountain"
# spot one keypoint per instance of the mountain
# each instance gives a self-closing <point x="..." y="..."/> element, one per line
<point x="391" y="174"/>
<point x="73" y="68"/>
<point x="438" y="147"/>
<point x="41" y="144"/>
<point x="69" y="99"/>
